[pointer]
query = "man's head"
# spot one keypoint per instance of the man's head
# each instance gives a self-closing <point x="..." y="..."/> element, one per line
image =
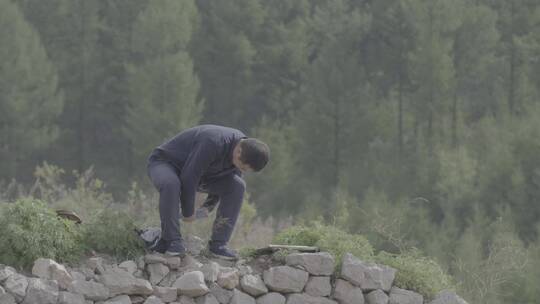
<point x="250" y="154"/>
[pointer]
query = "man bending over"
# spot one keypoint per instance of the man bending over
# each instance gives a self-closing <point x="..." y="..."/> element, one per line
<point x="212" y="159"/>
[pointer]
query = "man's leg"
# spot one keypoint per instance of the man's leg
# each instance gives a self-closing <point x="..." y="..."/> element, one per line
<point x="166" y="181"/>
<point x="230" y="190"/>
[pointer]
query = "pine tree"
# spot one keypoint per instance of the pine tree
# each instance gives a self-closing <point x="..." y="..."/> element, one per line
<point x="333" y="120"/>
<point x="163" y="86"/>
<point x="89" y="42"/>
<point x="282" y="60"/>
<point x="390" y="44"/>
<point x="225" y="54"/>
<point x="30" y="101"/>
<point x="474" y="63"/>
<point x="70" y="30"/>
<point x="432" y="66"/>
<point x="514" y="25"/>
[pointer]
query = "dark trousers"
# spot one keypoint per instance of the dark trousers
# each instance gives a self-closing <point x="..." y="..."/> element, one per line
<point x="230" y="190"/>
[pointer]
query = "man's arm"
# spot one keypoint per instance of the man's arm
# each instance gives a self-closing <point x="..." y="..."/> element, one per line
<point x="199" y="159"/>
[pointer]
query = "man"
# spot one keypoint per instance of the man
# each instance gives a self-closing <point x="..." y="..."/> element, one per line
<point x="207" y="157"/>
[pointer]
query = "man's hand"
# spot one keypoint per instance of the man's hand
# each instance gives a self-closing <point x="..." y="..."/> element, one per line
<point x="202" y="212"/>
<point x="189" y="219"/>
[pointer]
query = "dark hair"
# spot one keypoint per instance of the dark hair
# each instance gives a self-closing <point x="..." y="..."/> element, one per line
<point x="255" y="153"/>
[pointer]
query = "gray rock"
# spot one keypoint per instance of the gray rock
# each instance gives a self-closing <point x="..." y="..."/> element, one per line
<point x="5" y="272"/>
<point x="129" y="266"/>
<point x="271" y="298"/>
<point x="77" y="275"/>
<point x="194" y="245"/>
<point x="167" y="294"/>
<point x="368" y="276"/>
<point x="318" y="286"/>
<point x="321" y="263"/>
<point x="88" y="273"/>
<point x="191" y="284"/>
<point x="16" y="284"/>
<point x="96" y="265"/>
<point x="210" y="271"/>
<point x="402" y="296"/>
<point x="222" y="295"/>
<point x="169" y="279"/>
<point x="90" y="290"/>
<point x="139" y="274"/>
<point x="153" y="258"/>
<point x="285" y="279"/>
<point x="41" y="268"/>
<point x="207" y="299"/>
<point x="304" y="298"/>
<point x="346" y="293"/>
<point x="40" y="291"/>
<point x="157" y="272"/>
<point x="185" y="300"/>
<point x="189" y="264"/>
<point x="376" y="297"/>
<point x="60" y="274"/>
<point x="140" y="262"/>
<point x="51" y="270"/>
<point x="153" y="300"/>
<point x="122" y="299"/>
<point x="254" y="285"/>
<point x="65" y="297"/>
<point x="173" y="262"/>
<point x="121" y="282"/>
<point x="228" y="279"/>
<point x="448" y="297"/>
<point x="244" y="270"/>
<point x="137" y="299"/>
<point x="7" y="299"/>
<point x="241" y="298"/>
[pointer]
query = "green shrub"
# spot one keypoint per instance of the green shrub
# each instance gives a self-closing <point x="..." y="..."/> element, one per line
<point x="417" y="273"/>
<point x="247" y="252"/>
<point x="297" y="235"/>
<point x="112" y="232"/>
<point x="30" y="230"/>
<point x="327" y="238"/>
<point x="87" y="195"/>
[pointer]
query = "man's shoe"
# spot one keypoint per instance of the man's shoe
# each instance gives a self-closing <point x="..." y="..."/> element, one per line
<point x="222" y="252"/>
<point x="159" y="246"/>
<point x="176" y="248"/>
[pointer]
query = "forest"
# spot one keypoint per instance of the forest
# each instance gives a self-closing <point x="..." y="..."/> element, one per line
<point x="412" y="122"/>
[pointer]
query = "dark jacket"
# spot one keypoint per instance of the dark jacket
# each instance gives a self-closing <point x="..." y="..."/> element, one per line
<point x="200" y="154"/>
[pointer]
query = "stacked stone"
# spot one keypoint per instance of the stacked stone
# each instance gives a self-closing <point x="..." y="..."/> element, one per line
<point x="306" y="278"/>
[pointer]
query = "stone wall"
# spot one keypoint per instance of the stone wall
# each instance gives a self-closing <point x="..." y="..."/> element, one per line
<point x="304" y="278"/>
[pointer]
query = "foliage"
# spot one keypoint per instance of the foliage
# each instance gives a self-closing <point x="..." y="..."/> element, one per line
<point x="31" y="99"/>
<point x="327" y="238"/>
<point x="417" y="272"/>
<point x="247" y="252"/>
<point x="31" y="230"/>
<point x="203" y="227"/>
<point x="86" y="197"/>
<point x="490" y="260"/>
<point x="113" y="232"/>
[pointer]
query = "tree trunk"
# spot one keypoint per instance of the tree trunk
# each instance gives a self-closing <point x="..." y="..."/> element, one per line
<point x="511" y="88"/>
<point x="336" y="143"/>
<point x="82" y="107"/>
<point x="454" y="120"/>
<point x="400" y="112"/>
